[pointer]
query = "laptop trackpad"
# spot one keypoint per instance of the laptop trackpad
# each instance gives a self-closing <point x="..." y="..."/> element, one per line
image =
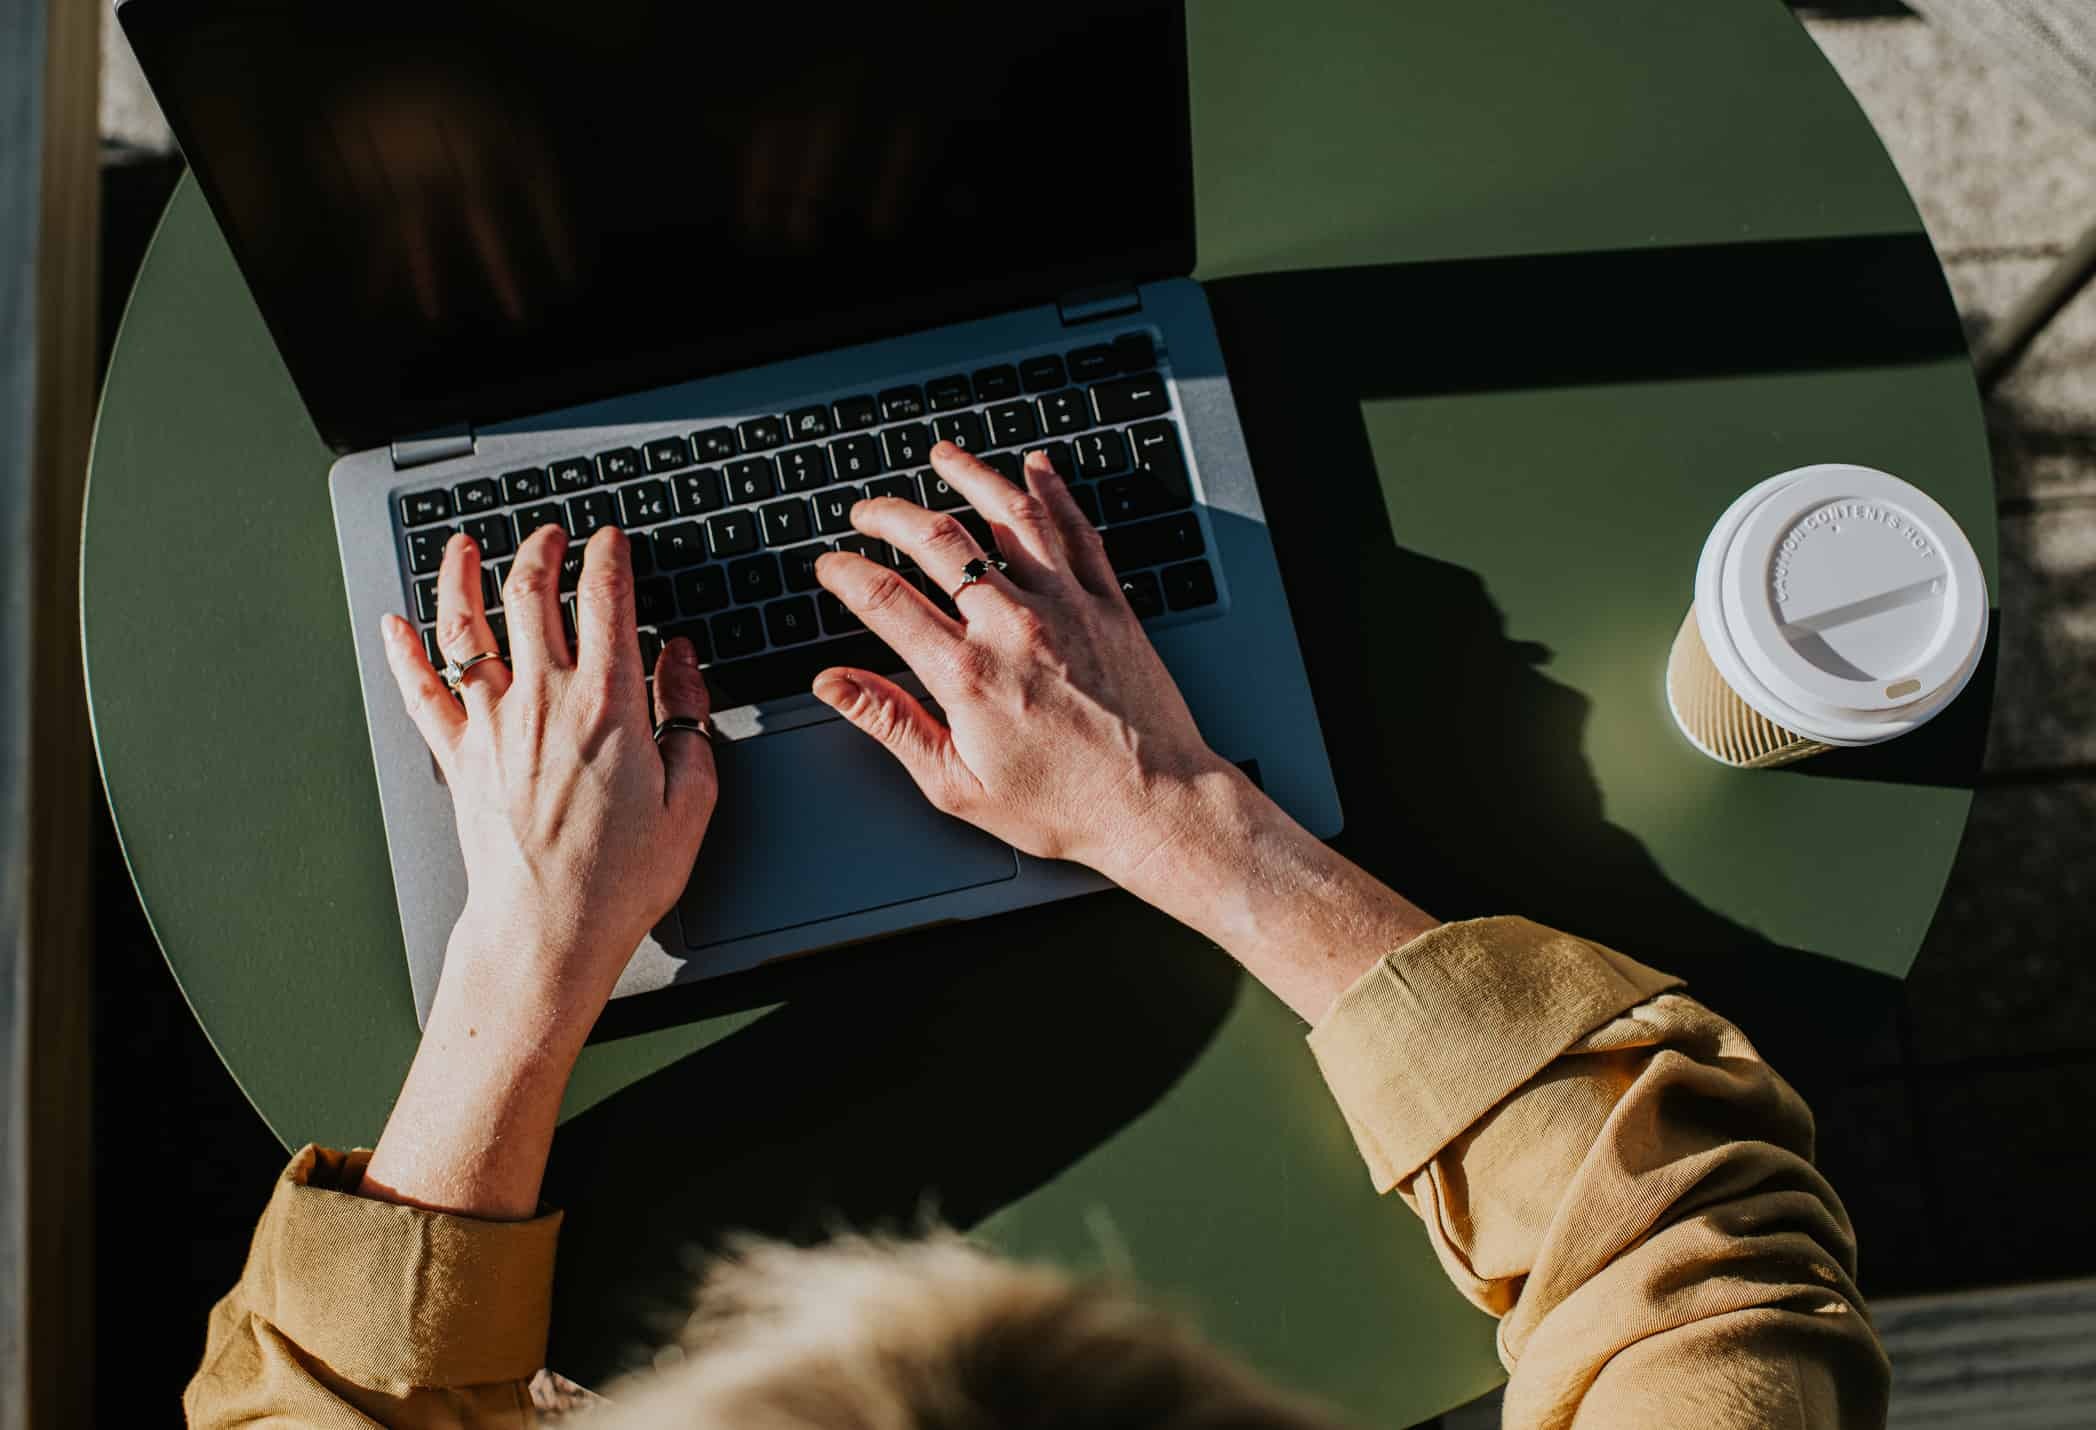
<point x="821" y="821"/>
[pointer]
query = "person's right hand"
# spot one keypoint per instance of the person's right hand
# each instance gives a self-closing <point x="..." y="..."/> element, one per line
<point x="1064" y="734"/>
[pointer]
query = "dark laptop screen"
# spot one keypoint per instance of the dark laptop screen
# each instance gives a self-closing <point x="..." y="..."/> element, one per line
<point x="466" y="211"/>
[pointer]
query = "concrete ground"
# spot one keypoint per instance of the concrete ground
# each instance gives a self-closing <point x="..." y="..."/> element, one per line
<point x="1964" y="1153"/>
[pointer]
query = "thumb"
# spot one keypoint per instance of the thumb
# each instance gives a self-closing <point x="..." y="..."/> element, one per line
<point x="689" y="779"/>
<point x="899" y="720"/>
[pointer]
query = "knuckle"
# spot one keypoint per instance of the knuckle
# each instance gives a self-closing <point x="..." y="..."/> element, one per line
<point x="882" y="591"/>
<point x="454" y="628"/>
<point x="947" y="533"/>
<point x="1028" y="627"/>
<point x="972" y="666"/>
<point x="1026" y="509"/>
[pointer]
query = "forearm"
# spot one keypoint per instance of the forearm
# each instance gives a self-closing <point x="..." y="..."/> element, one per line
<point x="474" y="1123"/>
<point x="1303" y="920"/>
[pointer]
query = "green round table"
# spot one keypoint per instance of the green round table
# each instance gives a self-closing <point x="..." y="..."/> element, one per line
<point x="1517" y="294"/>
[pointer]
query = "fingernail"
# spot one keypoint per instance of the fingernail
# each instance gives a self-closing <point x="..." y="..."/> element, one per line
<point x="835" y="690"/>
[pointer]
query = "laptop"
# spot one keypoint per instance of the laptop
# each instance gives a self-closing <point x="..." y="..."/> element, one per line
<point x="713" y="277"/>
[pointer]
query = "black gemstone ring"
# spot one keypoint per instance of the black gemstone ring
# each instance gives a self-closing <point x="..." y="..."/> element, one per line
<point x="978" y="568"/>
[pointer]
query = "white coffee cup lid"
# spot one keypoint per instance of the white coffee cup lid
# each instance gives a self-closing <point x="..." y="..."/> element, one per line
<point x="1842" y="603"/>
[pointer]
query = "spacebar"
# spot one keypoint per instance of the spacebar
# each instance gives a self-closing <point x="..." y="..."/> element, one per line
<point x="790" y="671"/>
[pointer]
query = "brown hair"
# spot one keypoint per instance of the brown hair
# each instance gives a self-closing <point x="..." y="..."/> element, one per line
<point x="933" y="1334"/>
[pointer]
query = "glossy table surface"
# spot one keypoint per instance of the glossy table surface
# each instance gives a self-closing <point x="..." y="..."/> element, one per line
<point x="1516" y="295"/>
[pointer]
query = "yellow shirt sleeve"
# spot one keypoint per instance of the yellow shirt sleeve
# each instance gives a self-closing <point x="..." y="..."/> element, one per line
<point x="1611" y="1169"/>
<point x="356" y="1312"/>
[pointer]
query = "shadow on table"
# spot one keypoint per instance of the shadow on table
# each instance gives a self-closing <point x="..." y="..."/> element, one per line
<point x="1461" y="764"/>
<point x="967" y="1067"/>
<point x="954" y="1072"/>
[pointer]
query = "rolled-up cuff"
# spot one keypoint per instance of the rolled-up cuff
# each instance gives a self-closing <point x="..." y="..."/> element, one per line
<point x="1438" y="1033"/>
<point x="394" y="1297"/>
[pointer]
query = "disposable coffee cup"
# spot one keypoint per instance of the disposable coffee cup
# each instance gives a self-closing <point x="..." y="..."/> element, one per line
<point x="1834" y="606"/>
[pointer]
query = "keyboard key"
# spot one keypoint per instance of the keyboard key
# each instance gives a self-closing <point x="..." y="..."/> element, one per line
<point x="906" y="445"/>
<point x="644" y="504"/>
<point x="798" y="565"/>
<point x="751" y="479"/>
<point x="732" y="533"/>
<point x="1041" y="373"/>
<point x="1064" y="412"/>
<point x="937" y="495"/>
<point x="802" y="469"/>
<point x="620" y="464"/>
<point x="895" y="486"/>
<point x="994" y="384"/>
<point x="852" y="413"/>
<point x="791" y="621"/>
<point x="641" y="553"/>
<point x="499" y="624"/>
<point x="679" y="545"/>
<point x="650" y="649"/>
<point x="697" y="633"/>
<point x="755" y="578"/>
<point x="696" y="493"/>
<point x="758" y="433"/>
<point x="738" y="633"/>
<point x="1087" y="500"/>
<point x="856" y="458"/>
<point x="779" y="673"/>
<point x="531" y="518"/>
<point x="715" y="444"/>
<point x="1134" y="353"/>
<point x="570" y="568"/>
<point x="874" y="550"/>
<point x="1101" y="454"/>
<point x="1188" y="586"/>
<point x="667" y="454"/>
<point x="587" y="513"/>
<point x="1007" y="465"/>
<point x="421" y="508"/>
<point x="574" y="474"/>
<point x="785" y="523"/>
<point x="898" y="404"/>
<point x="694" y="632"/>
<point x="837" y="619"/>
<point x="528" y="484"/>
<point x="492" y="534"/>
<point x="978" y="526"/>
<point x="1127" y="398"/>
<point x="1152" y="543"/>
<point x="943" y="394"/>
<point x="475" y="497"/>
<point x="964" y="429"/>
<point x="1092" y="363"/>
<point x="1012" y="424"/>
<point x="1059" y="458"/>
<point x="426" y="549"/>
<point x="805" y="424"/>
<point x="1134" y="496"/>
<point x="701" y="592"/>
<point x="429" y="644"/>
<point x="1157" y="453"/>
<point x="833" y="509"/>
<point x="1144" y="594"/>
<point x="653" y="601"/>
<point x="426" y="600"/>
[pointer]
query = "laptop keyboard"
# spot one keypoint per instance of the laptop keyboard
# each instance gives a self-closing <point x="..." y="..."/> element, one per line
<point x="726" y="522"/>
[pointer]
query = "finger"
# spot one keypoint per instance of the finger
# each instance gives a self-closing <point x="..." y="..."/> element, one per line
<point x="689" y="781"/>
<point x="900" y="722"/>
<point x="1012" y="509"/>
<point x="933" y="539"/>
<point x="607" y="643"/>
<point x="928" y="640"/>
<point x="1081" y="541"/>
<point x="462" y="624"/>
<point x="538" y="642"/>
<point x="429" y="704"/>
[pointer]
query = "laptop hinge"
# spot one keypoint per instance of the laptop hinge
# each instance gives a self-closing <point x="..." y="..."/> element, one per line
<point x="1092" y="304"/>
<point x="432" y="447"/>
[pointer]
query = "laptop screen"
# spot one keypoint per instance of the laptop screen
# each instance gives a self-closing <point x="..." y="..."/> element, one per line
<point x="469" y="211"/>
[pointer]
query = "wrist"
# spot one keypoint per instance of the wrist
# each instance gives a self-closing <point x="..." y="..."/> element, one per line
<point x="1190" y="835"/>
<point x="516" y="986"/>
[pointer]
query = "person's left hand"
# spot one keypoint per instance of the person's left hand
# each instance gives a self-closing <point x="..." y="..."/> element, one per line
<point x="578" y="829"/>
